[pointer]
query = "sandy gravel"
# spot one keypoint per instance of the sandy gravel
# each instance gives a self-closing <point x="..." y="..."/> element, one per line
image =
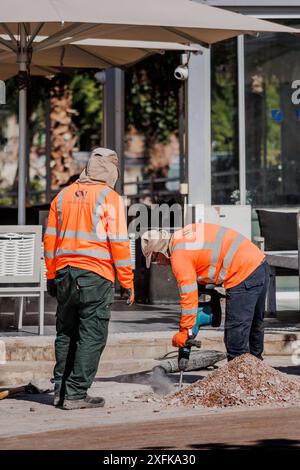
<point x="244" y="381"/>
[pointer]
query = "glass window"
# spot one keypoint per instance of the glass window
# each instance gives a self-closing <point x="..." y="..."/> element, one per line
<point x="224" y="122"/>
<point x="272" y="94"/>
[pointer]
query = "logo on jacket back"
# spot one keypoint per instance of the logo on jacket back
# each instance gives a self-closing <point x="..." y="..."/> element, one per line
<point x="80" y="194"/>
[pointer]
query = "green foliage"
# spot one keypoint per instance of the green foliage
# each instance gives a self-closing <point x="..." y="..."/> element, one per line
<point x="152" y="97"/>
<point x="5" y="200"/>
<point x="235" y="197"/>
<point x="36" y="186"/>
<point x="37" y="93"/>
<point x="223" y="107"/>
<point x="224" y="96"/>
<point x="273" y="129"/>
<point x="88" y="101"/>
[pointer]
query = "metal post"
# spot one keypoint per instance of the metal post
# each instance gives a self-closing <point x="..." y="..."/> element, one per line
<point x="22" y="133"/>
<point x="242" y="124"/>
<point x="48" y="150"/>
<point x="28" y="189"/>
<point x="199" y="129"/>
<point x="113" y="126"/>
<point x="181" y="128"/>
<point x="298" y="237"/>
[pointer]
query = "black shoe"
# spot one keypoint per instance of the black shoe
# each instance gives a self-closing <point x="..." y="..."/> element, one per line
<point x="87" y="402"/>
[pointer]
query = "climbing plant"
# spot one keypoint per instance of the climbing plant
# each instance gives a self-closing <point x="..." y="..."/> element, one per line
<point x="152" y="97"/>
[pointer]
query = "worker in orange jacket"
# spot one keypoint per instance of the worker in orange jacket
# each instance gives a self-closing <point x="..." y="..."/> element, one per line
<point x="217" y="256"/>
<point x="86" y="238"/>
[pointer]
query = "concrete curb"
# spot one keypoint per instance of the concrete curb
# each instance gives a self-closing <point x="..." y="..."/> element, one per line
<point x="279" y="343"/>
<point x="23" y="359"/>
<point x="119" y="346"/>
<point x="148" y="345"/>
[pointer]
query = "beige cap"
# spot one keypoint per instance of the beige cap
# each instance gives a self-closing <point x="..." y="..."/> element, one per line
<point x="155" y="241"/>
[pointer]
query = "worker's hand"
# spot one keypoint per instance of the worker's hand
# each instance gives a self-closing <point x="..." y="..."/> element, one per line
<point x="179" y="340"/>
<point x="51" y="287"/>
<point x="128" y="295"/>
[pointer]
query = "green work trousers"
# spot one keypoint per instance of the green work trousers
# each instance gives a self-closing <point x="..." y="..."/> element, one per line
<point x="83" y="311"/>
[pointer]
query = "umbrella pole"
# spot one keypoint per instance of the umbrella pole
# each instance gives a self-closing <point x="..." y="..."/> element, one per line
<point x="22" y="133"/>
<point x="48" y="149"/>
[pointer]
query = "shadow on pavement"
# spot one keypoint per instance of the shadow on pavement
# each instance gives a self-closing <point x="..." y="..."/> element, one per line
<point x="157" y="448"/>
<point x="275" y="444"/>
<point x="167" y="319"/>
<point x="292" y="370"/>
<point x="121" y="305"/>
<point x="160" y="383"/>
<point x="43" y="398"/>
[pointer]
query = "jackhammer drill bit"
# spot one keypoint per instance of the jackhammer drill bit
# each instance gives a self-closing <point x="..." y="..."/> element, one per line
<point x="208" y="313"/>
<point x="180" y="379"/>
<point x="184" y="356"/>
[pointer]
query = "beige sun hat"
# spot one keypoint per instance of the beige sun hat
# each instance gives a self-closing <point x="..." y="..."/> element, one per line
<point x="155" y="241"/>
<point x="103" y="166"/>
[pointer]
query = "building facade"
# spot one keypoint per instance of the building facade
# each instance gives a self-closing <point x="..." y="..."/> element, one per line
<point x="245" y="94"/>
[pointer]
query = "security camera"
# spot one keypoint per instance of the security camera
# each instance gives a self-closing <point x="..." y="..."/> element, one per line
<point x="100" y="76"/>
<point x="182" y="71"/>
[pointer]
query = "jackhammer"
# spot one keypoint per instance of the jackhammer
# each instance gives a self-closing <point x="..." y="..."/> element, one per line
<point x="208" y="314"/>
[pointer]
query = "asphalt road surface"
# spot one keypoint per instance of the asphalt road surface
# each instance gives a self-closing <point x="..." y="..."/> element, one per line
<point x="277" y="428"/>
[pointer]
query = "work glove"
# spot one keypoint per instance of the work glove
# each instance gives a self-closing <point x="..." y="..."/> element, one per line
<point x="128" y="295"/>
<point x="179" y="340"/>
<point x="51" y="287"/>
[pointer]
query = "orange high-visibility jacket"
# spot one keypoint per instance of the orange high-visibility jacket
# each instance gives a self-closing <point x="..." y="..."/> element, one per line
<point x="87" y="229"/>
<point x="209" y="254"/>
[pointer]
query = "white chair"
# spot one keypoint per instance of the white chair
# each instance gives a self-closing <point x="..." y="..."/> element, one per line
<point x="22" y="272"/>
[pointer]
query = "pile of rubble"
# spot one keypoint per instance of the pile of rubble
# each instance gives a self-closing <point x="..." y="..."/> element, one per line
<point x="244" y="381"/>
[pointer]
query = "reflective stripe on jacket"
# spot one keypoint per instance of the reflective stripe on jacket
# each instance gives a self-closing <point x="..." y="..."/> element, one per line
<point x="209" y="254"/>
<point x="87" y="229"/>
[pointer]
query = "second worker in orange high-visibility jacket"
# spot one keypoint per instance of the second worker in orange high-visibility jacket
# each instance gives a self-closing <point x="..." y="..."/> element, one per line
<point x="87" y="229"/>
<point x="85" y="241"/>
<point x="215" y="255"/>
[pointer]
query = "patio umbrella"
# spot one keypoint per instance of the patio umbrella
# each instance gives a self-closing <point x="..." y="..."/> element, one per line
<point x="8" y="70"/>
<point x="88" y="53"/>
<point x="65" y="21"/>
